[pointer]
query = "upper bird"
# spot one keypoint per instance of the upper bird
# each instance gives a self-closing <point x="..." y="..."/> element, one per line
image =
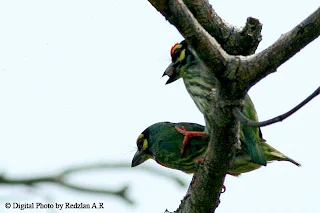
<point x="200" y="84"/>
<point x="162" y="142"/>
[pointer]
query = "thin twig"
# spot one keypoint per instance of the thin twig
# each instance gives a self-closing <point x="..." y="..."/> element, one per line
<point x="122" y="193"/>
<point x="243" y="119"/>
<point x="97" y="166"/>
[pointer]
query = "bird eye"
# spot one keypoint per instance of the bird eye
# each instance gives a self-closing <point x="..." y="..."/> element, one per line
<point x="176" y="53"/>
<point x="140" y="144"/>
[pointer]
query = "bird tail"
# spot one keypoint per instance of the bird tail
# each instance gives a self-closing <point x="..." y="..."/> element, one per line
<point x="273" y="154"/>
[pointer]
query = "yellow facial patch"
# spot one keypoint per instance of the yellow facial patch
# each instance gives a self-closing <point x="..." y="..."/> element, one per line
<point x="177" y="53"/>
<point x="145" y="144"/>
<point x="182" y="55"/>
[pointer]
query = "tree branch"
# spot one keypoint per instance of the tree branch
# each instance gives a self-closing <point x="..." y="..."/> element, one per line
<point x="233" y="40"/>
<point x="60" y="179"/>
<point x="243" y="119"/>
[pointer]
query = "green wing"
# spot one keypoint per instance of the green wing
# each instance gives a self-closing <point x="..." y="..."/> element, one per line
<point x="168" y="144"/>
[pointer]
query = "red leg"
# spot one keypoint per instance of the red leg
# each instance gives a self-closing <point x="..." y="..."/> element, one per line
<point x="187" y="136"/>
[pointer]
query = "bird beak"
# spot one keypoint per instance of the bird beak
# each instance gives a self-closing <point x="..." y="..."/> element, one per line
<point x="171" y="72"/>
<point x="139" y="158"/>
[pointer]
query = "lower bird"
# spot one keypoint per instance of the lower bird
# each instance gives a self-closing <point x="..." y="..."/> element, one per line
<point x="162" y="142"/>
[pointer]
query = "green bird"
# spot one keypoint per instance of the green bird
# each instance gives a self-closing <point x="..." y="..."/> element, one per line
<point x="162" y="142"/>
<point x="200" y="83"/>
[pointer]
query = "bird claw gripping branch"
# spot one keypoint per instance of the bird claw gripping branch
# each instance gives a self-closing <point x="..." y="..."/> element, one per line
<point x="223" y="187"/>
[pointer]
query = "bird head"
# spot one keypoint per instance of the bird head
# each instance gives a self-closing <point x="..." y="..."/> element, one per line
<point x="180" y="57"/>
<point x="143" y="153"/>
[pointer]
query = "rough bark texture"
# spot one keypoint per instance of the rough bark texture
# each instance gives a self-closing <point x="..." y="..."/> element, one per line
<point x="219" y="45"/>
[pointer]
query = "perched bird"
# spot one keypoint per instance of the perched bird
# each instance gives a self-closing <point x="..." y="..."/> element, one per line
<point x="200" y="84"/>
<point x="162" y="143"/>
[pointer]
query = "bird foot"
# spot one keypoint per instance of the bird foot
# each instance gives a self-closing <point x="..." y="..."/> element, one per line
<point x="187" y="136"/>
<point x="223" y="189"/>
<point x="199" y="160"/>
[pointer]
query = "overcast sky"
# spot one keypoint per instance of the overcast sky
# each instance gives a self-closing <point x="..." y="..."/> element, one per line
<point x="80" y="80"/>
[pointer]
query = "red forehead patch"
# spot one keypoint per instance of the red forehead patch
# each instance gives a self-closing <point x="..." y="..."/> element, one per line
<point x="172" y="48"/>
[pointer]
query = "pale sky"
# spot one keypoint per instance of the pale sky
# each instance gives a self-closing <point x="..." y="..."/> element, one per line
<point x="80" y="80"/>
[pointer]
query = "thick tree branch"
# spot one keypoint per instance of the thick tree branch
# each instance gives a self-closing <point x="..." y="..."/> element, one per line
<point x="243" y="119"/>
<point x="60" y="179"/>
<point x="284" y="48"/>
